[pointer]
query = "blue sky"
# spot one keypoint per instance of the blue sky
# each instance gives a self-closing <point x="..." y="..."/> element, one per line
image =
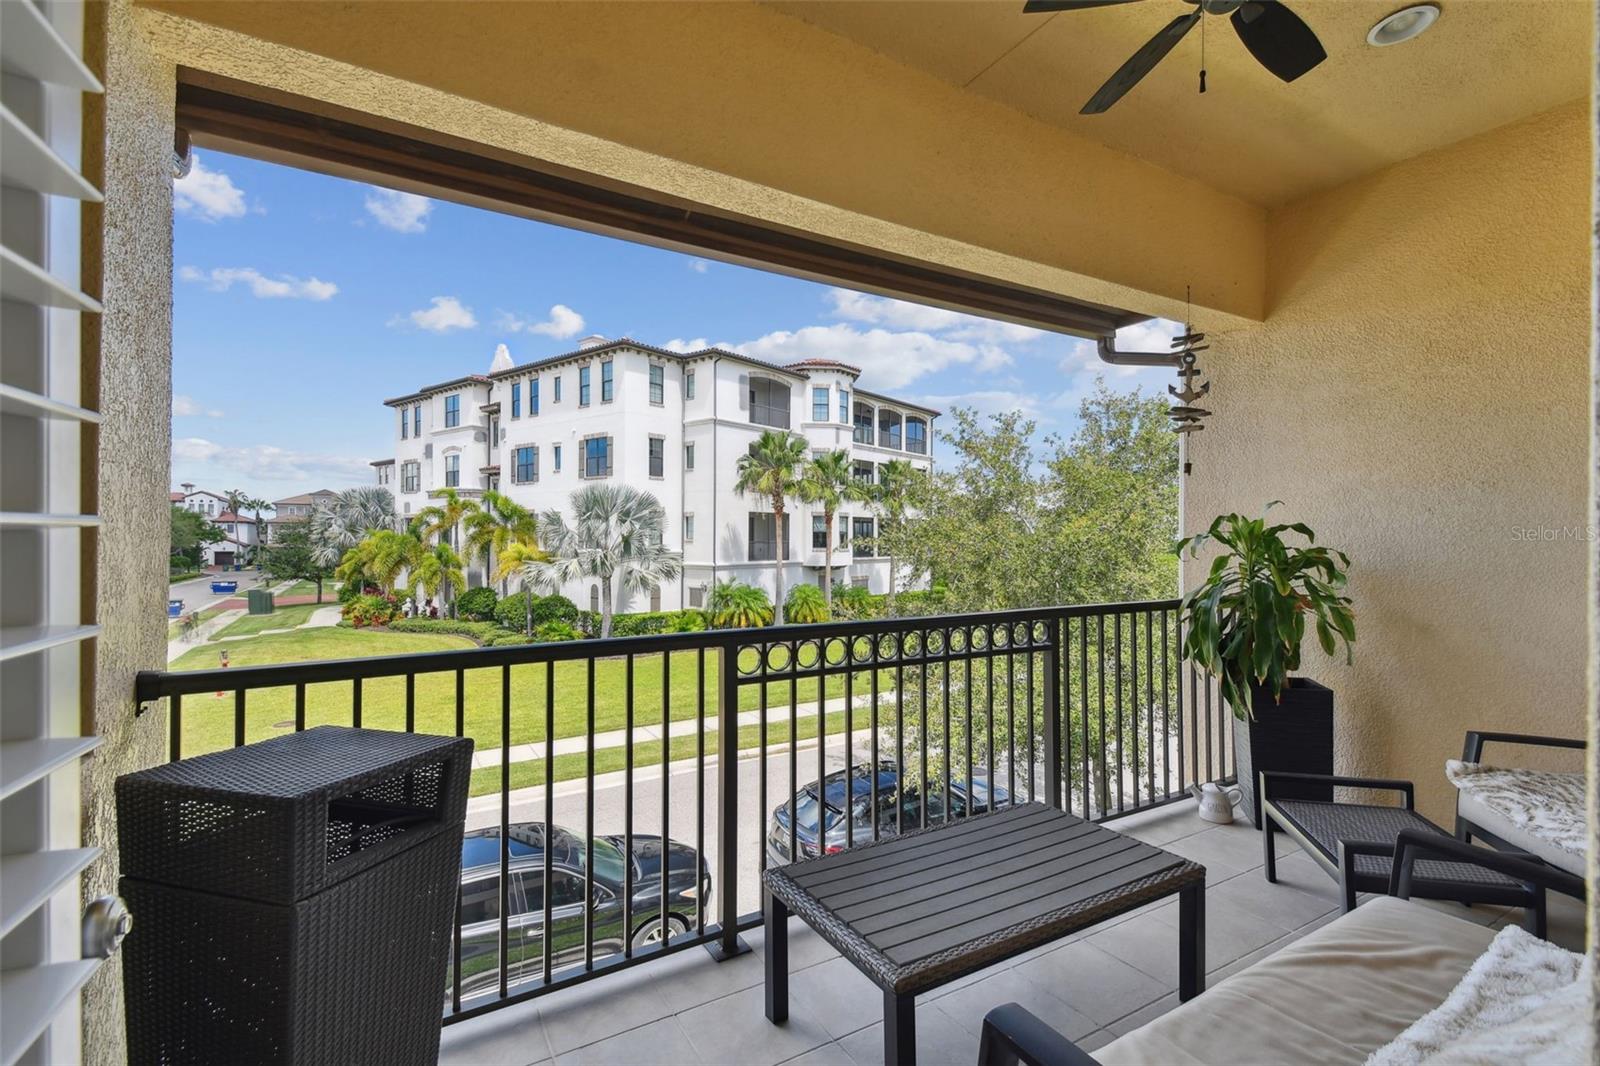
<point x="301" y="301"/>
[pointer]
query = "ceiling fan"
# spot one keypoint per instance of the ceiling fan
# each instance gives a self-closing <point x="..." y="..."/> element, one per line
<point x="1276" y="36"/>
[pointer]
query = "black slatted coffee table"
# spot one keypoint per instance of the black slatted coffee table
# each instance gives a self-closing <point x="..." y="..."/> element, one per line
<point x="916" y="911"/>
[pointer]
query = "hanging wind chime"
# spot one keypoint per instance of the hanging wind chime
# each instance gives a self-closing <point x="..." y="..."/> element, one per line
<point x="1186" y="416"/>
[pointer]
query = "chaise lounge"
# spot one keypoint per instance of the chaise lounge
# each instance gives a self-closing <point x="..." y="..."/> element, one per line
<point x="1539" y="813"/>
<point x="1338" y="995"/>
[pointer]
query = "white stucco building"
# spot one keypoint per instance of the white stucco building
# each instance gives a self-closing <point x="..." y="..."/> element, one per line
<point x="673" y="424"/>
<point x="239" y="531"/>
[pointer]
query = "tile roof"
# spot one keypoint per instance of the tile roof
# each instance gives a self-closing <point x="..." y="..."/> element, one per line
<point x="306" y="497"/>
<point x="825" y="364"/>
<point x="470" y="379"/>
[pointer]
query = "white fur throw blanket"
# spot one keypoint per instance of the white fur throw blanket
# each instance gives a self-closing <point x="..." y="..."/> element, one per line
<point x="1523" y="1001"/>
<point x="1548" y="804"/>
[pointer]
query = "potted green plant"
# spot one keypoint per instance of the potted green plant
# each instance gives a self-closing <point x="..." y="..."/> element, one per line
<point x="1244" y="625"/>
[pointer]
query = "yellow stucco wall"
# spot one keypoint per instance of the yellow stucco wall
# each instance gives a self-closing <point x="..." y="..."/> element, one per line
<point x="736" y="106"/>
<point x="1419" y="394"/>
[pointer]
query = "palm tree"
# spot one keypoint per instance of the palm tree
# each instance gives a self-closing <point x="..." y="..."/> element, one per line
<point x="237" y="502"/>
<point x="514" y="560"/>
<point x="892" y="494"/>
<point x="828" y="482"/>
<point x="769" y="471"/>
<point x="381" y="558"/>
<point x="498" y="524"/>
<point x="735" y="605"/>
<point x="256" y="504"/>
<point x="615" y="536"/>
<point x="341" y="523"/>
<point x="437" y="567"/>
<point x="442" y="521"/>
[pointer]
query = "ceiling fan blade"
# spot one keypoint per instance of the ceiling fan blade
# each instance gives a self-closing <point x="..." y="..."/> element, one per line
<point x="1034" y="7"/>
<point x="1278" y="38"/>
<point x="1140" y="63"/>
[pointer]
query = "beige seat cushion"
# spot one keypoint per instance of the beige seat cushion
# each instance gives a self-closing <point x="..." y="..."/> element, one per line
<point x="1472" y="807"/>
<point x="1334" y="996"/>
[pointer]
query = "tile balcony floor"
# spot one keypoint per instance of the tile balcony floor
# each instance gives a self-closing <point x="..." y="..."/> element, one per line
<point x="1093" y="986"/>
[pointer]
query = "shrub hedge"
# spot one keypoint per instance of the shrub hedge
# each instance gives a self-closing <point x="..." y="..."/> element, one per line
<point x="477" y="604"/>
<point x="482" y="632"/>
<point x="370" y="610"/>
<point x="512" y="612"/>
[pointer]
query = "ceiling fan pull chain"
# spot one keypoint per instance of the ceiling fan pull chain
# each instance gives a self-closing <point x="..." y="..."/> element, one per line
<point x="1202" y="55"/>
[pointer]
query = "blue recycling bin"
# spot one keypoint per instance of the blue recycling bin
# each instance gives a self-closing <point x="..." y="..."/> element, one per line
<point x="174" y="608"/>
<point x="219" y="587"/>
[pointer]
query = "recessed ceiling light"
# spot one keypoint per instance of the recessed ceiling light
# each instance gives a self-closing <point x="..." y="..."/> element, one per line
<point x="1403" y="25"/>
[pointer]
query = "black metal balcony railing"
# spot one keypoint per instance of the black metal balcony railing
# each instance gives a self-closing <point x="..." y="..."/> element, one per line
<point x="913" y="721"/>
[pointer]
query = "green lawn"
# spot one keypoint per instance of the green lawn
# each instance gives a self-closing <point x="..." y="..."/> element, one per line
<point x="208" y="720"/>
<point x="309" y="588"/>
<point x="251" y="624"/>
<point x="531" y="772"/>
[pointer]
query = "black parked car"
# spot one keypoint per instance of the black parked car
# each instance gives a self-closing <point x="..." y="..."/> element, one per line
<point x="898" y="810"/>
<point x="688" y="886"/>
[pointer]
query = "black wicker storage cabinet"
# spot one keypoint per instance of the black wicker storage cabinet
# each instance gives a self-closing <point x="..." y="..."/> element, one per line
<point x="293" y="900"/>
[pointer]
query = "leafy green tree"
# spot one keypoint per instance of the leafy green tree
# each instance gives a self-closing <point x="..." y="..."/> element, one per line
<point x="294" y="556"/>
<point x="1011" y="523"/>
<point x="828" y="482"/>
<point x="615" y="536"/>
<point x="189" y="532"/>
<point x="770" y="470"/>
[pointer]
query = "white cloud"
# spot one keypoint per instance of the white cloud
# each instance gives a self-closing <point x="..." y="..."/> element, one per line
<point x="282" y="287"/>
<point x="888" y="359"/>
<point x="402" y="212"/>
<point x="678" y="344"/>
<point x="699" y="266"/>
<point x="206" y="194"/>
<point x="445" y="314"/>
<point x="901" y="314"/>
<point x="269" y="463"/>
<point x="562" y="322"/>
<point x="187" y="405"/>
<point x="989" y="402"/>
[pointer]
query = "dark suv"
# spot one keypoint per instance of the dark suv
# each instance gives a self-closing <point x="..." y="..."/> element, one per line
<point x="688" y="885"/>
<point x="898" y="810"/>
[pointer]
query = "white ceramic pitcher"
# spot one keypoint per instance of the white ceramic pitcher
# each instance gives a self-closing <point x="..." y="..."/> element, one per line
<point x="1216" y="802"/>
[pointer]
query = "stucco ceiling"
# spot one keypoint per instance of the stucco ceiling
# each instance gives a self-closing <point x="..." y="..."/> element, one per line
<point x="1483" y="64"/>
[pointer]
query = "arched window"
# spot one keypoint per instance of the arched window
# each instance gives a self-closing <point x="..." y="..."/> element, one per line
<point x="864" y="432"/>
<point x="916" y="435"/>
<point x="888" y="429"/>
<point x="769" y="402"/>
<point x="594" y="599"/>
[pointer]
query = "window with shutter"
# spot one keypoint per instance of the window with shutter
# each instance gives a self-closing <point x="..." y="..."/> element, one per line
<point x="44" y="640"/>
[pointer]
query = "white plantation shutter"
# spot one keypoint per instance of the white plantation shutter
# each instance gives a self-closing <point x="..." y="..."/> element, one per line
<point x="44" y="635"/>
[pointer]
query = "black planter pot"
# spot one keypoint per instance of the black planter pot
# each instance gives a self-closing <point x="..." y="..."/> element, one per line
<point x="1294" y="734"/>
